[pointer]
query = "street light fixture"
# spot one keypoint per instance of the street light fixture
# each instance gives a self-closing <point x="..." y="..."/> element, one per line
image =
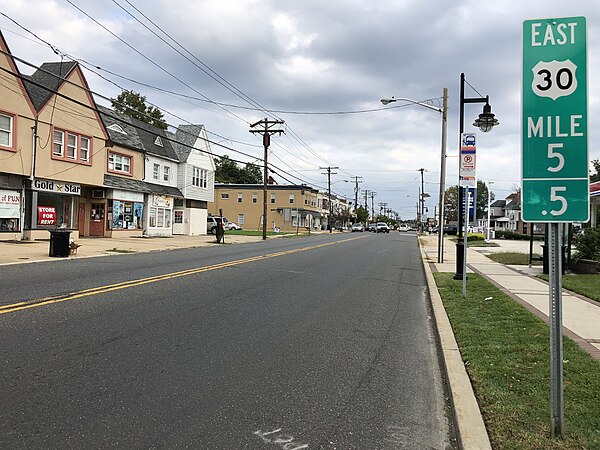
<point x="485" y="123"/>
<point x="444" y="111"/>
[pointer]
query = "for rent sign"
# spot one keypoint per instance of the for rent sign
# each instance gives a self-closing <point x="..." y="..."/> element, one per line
<point x="46" y="215"/>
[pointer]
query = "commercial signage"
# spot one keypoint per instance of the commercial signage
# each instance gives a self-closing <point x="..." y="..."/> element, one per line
<point x="10" y="203"/>
<point x="468" y="166"/>
<point x="59" y="187"/>
<point x="555" y="155"/>
<point x="162" y="201"/>
<point x="46" y="215"/>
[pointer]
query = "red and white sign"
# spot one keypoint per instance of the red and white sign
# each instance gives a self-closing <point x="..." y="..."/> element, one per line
<point x="468" y="166"/>
<point x="46" y="215"/>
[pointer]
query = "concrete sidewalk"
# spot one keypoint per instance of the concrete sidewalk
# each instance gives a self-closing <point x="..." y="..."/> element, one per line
<point x="581" y="316"/>
<point x="14" y="252"/>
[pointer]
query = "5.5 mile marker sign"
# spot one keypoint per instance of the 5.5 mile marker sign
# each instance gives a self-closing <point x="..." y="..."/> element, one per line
<point x="555" y="154"/>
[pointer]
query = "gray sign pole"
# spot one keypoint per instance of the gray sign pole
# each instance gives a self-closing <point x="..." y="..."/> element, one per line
<point x="556" y="348"/>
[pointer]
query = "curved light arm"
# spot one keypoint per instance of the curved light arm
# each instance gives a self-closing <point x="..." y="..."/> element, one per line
<point x="387" y="101"/>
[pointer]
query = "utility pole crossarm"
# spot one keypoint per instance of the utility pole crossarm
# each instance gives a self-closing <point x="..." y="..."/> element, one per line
<point x="266" y="132"/>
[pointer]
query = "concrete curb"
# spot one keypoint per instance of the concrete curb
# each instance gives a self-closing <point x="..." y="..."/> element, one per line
<point x="470" y="428"/>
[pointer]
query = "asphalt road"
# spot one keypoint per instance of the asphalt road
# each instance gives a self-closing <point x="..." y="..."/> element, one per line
<point x="321" y="342"/>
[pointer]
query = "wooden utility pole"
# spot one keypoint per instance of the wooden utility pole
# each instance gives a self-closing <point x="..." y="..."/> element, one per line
<point x="329" y="173"/>
<point x="266" y="132"/>
<point x="356" y="191"/>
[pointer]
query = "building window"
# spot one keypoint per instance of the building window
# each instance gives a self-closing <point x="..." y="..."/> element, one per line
<point x="254" y="198"/>
<point x="156" y="171"/>
<point x="240" y="197"/>
<point x="160" y="218"/>
<point x="199" y="177"/>
<point x="126" y="215"/>
<point x="292" y="199"/>
<point x="57" y="149"/>
<point x="71" y="145"/>
<point x="224" y="196"/>
<point x="84" y="148"/>
<point x="119" y="163"/>
<point x="77" y="146"/>
<point x="6" y="130"/>
<point x="273" y="198"/>
<point x="240" y="219"/>
<point x="166" y="173"/>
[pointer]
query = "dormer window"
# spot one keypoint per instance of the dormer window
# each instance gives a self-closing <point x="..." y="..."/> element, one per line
<point x="116" y="127"/>
<point x="158" y="141"/>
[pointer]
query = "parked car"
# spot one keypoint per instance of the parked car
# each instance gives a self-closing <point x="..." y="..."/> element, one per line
<point x="382" y="227"/>
<point x="358" y="227"/>
<point x="403" y="227"/>
<point x="372" y="227"/>
<point x="233" y="226"/>
<point x="212" y="222"/>
<point x="450" y="229"/>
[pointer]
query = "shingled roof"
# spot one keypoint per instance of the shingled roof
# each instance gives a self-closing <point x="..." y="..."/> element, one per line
<point x="114" y="121"/>
<point x="45" y="81"/>
<point x="185" y="138"/>
<point x="128" y="184"/>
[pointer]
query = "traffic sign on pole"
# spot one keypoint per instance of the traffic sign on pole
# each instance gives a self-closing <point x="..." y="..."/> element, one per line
<point x="555" y="155"/>
<point x="467" y="169"/>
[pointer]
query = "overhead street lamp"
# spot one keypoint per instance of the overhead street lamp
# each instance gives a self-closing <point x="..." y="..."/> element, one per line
<point x="485" y="123"/>
<point x="444" y="111"/>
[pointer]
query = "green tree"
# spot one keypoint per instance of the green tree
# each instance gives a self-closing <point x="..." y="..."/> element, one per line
<point x="252" y="174"/>
<point x="227" y="171"/>
<point x="362" y="215"/>
<point x="451" y="201"/>
<point x="595" y="176"/>
<point x="133" y="104"/>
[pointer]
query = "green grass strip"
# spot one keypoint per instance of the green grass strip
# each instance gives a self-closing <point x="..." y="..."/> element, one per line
<point x="505" y="349"/>
<point x="514" y="258"/>
<point x="587" y="285"/>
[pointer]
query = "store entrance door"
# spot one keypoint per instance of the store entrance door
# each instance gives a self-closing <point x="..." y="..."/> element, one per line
<point x="97" y="219"/>
<point x="178" y="222"/>
<point x="81" y="219"/>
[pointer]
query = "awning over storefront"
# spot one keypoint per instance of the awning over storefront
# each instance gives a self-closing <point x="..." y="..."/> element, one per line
<point x="127" y="184"/>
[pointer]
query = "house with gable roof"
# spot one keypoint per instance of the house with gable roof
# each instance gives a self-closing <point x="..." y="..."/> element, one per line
<point x="142" y="204"/>
<point x="17" y="125"/>
<point x="69" y="153"/>
<point x="196" y="175"/>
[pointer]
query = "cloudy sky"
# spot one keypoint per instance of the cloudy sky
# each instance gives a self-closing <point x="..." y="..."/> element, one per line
<point x="322" y="67"/>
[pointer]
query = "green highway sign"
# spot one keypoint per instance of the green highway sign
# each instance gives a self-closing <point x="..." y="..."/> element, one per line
<point x="555" y="156"/>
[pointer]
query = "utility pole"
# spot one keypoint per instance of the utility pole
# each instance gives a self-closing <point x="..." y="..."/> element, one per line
<point x="373" y="204"/>
<point x="356" y="191"/>
<point x="266" y="132"/>
<point x="329" y="173"/>
<point x="422" y="199"/>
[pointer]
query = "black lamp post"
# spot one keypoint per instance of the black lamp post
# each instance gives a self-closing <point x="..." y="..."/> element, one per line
<point x="485" y="123"/>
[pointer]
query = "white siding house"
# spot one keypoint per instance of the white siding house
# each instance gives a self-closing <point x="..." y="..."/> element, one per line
<point x="196" y="176"/>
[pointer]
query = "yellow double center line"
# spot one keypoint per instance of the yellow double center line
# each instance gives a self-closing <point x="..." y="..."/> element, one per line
<point x="127" y="284"/>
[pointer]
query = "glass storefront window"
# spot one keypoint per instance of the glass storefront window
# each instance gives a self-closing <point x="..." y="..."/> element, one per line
<point x="126" y="215"/>
<point x="62" y="207"/>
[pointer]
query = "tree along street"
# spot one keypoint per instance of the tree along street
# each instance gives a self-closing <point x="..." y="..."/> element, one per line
<point x="320" y="342"/>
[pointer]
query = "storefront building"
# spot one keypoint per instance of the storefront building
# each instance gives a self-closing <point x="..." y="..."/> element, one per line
<point x="51" y="204"/>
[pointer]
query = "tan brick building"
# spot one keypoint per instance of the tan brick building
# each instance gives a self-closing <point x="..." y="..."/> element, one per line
<point x="288" y="206"/>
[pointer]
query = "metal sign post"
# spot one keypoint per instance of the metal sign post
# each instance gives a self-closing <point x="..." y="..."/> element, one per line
<point x="555" y="156"/>
<point x="556" y="348"/>
<point x="466" y="246"/>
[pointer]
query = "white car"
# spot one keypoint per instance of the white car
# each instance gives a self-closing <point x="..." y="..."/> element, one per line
<point x="233" y="226"/>
<point x="403" y="227"/>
